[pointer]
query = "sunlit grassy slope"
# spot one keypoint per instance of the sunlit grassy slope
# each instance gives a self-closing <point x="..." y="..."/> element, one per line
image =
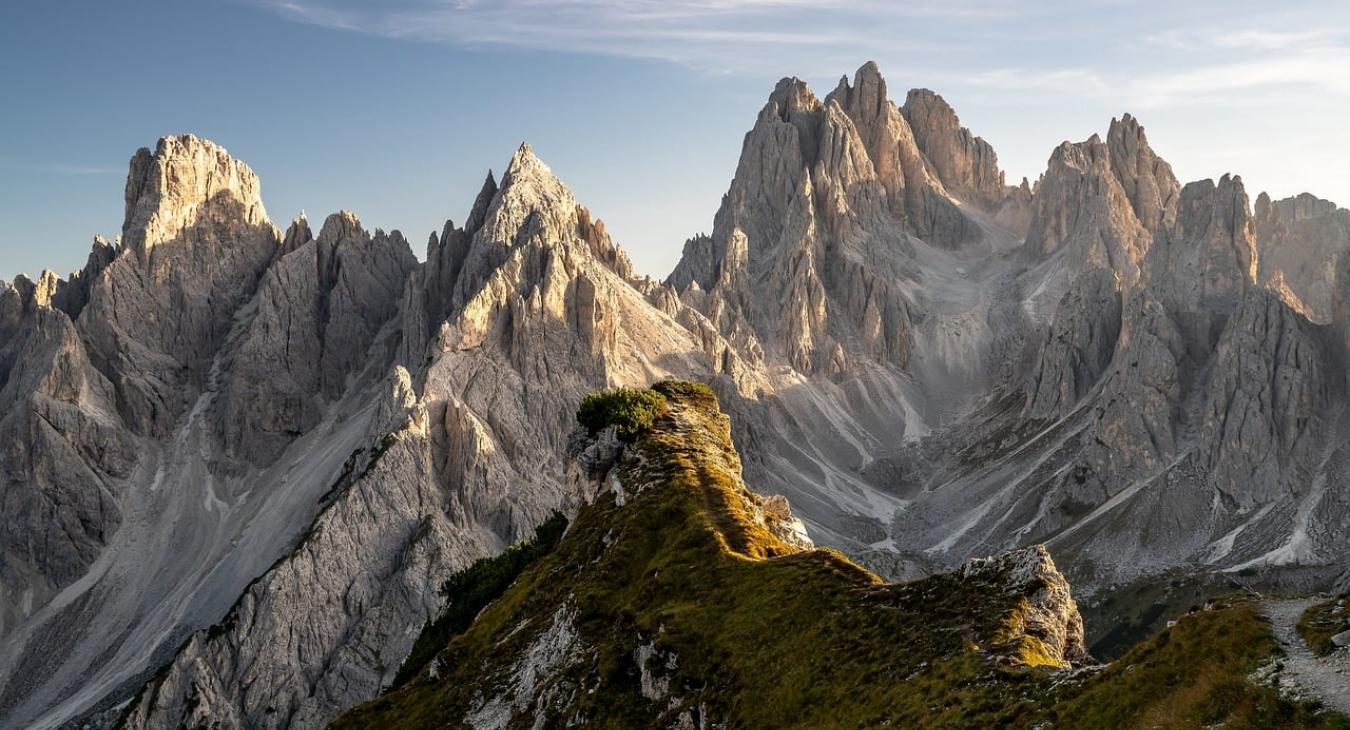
<point x="677" y="602"/>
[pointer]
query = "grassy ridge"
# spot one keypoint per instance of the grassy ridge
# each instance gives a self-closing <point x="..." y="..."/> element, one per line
<point x="749" y="630"/>
<point x="1193" y="675"/>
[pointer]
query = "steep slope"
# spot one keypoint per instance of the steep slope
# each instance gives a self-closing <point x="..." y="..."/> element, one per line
<point x="1058" y="390"/>
<point x="673" y="600"/>
<point x="1302" y="241"/>
<point x="66" y="455"/>
<point x="195" y="239"/>
<point x="174" y="444"/>
<point x="1184" y="419"/>
<point x="468" y="460"/>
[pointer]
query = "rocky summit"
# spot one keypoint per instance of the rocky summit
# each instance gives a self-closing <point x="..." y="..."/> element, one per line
<point x="238" y="463"/>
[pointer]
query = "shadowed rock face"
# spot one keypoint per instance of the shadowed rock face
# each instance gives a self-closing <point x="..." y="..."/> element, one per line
<point x="245" y="458"/>
<point x="319" y="310"/>
<point x="180" y="407"/>
<point x="543" y="310"/>
<point x="195" y="241"/>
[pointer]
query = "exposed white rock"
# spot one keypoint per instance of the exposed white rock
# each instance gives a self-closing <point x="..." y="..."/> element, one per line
<point x="1049" y="613"/>
<point x="556" y="647"/>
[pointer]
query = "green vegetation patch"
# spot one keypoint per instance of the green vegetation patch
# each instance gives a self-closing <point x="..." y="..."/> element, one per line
<point x="1194" y="674"/>
<point x="1321" y="622"/>
<point x="761" y="633"/>
<point x="470" y="590"/>
<point x="693" y="392"/>
<point x="631" y="411"/>
<point x="751" y="632"/>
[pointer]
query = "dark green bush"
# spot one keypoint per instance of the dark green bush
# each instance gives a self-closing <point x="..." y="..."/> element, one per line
<point x="629" y="410"/>
<point x="688" y="390"/>
<point x="470" y="591"/>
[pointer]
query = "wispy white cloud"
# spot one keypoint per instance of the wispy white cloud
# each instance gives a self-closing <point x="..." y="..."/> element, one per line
<point x="1252" y="39"/>
<point x="1322" y="69"/>
<point x="1272" y="40"/>
<point x="1144" y="53"/>
<point x="708" y="34"/>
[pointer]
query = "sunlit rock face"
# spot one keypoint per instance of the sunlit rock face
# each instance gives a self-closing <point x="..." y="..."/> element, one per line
<point x="237" y="461"/>
<point x="1302" y="241"/>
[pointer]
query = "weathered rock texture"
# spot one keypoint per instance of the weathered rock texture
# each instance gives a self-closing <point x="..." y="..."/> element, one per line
<point x="1302" y="241"/>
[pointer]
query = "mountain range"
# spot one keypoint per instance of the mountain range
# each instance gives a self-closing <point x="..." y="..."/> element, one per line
<point x="236" y="462"/>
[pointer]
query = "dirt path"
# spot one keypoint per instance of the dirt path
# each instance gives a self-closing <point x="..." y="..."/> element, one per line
<point x="1324" y="678"/>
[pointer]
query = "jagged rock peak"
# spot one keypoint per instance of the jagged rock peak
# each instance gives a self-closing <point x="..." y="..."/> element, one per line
<point x="1146" y="178"/>
<point x="478" y="213"/>
<point x="1302" y="239"/>
<point x="1082" y="208"/>
<point x="791" y="96"/>
<point x="340" y="226"/>
<point x="101" y="246"/>
<point x="867" y="94"/>
<point x="966" y="164"/>
<point x="1208" y="260"/>
<point x="186" y="180"/>
<point x="297" y="234"/>
<point x="523" y="162"/>
<point x="1296" y="208"/>
<point x="37" y="293"/>
<point x="1218" y="214"/>
<point x="532" y="204"/>
<point x="528" y="189"/>
<point x="195" y="242"/>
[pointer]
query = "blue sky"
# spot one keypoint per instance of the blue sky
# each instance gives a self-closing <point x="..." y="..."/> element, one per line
<point x="397" y="108"/>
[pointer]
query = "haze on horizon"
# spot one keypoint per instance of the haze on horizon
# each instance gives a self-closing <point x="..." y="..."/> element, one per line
<point x="396" y="110"/>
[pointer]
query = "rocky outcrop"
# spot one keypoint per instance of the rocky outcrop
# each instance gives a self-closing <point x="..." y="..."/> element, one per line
<point x="1047" y="624"/>
<point x="1302" y="241"/>
<point x="966" y="164"/>
<point x="671" y="520"/>
<point x="195" y="243"/>
<point x="319" y="309"/>
<point x="1147" y="179"/>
